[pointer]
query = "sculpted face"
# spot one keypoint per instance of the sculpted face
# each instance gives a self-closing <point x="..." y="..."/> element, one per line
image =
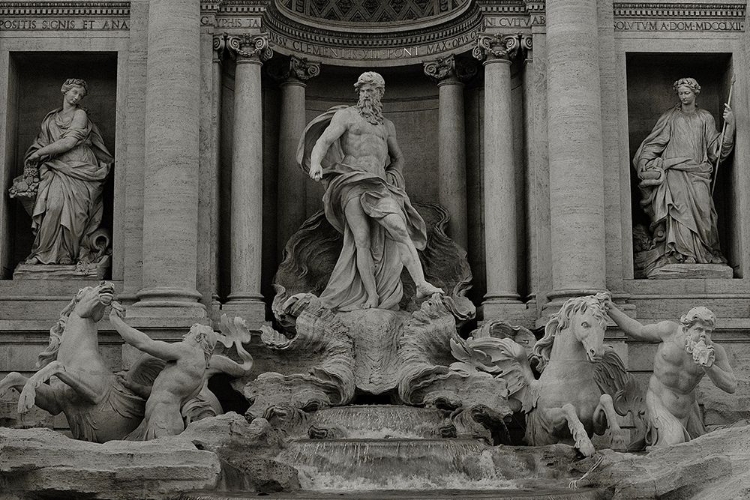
<point x="686" y="95"/>
<point x="700" y="331"/>
<point x="370" y="107"/>
<point x="589" y="330"/>
<point x="369" y="93"/>
<point x="75" y="95"/>
<point x="91" y="301"/>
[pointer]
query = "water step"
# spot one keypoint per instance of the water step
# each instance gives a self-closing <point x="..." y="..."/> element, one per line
<point x="379" y="421"/>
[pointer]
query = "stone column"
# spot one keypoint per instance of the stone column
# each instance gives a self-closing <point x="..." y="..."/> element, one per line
<point x="246" y="225"/>
<point x="170" y="201"/>
<point x="500" y="190"/>
<point x="448" y="72"/>
<point x="575" y="149"/>
<point x="219" y="47"/>
<point x="291" y="74"/>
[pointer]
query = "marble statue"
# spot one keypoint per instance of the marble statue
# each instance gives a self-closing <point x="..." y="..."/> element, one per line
<point x="685" y="354"/>
<point x="581" y="378"/>
<point x="65" y="170"/>
<point x="180" y="391"/>
<point x="674" y="164"/>
<point x="353" y="150"/>
<point x="99" y="407"/>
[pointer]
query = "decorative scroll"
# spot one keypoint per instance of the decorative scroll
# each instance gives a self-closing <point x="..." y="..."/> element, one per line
<point x="250" y="46"/>
<point x="496" y="46"/>
<point x="294" y="67"/>
<point x="444" y="68"/>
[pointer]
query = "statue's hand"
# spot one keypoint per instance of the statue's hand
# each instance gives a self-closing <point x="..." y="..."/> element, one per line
<point x="316" y="172"/>
<point x="728" y="115"/>
<point x="34" y="158"/>
<point x="118" y="311"/>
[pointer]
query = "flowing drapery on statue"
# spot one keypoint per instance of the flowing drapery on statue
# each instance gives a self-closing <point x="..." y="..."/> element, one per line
<point x="354" y="151"/>
<point x="69" y="202"/>
<point x="61" y="188"/>
<point x="675" y="163"/>
<point x="381" y="192"/>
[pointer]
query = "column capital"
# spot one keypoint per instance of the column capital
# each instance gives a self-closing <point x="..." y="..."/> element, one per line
<point x="527" y="45"/>
<point x="250" y="47"/>
<point x="449" y="69"/>
<point x="219" y="46"/>
<point x="491" y="47"/>
<point x="294" y="68"/>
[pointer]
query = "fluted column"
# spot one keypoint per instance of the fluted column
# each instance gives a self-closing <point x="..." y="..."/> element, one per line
<point x="500" y="190"/>
<point x="170" y="211"/>
<point x="575" y="148"/>
<point x="246" y="224"/>
<point x="291" y="74"/>
<point x="448" y="73"/>
<point x="219" y="47"/>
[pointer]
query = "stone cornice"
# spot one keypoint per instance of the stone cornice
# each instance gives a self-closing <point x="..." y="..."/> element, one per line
<point x="64" y="9"/>
<point x="679" y="10"/>
<point x="679" y="17"/>
<point x="375" y="45"/>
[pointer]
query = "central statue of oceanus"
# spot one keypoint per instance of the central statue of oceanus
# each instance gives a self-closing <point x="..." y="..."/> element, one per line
<point x="354" y="152"/>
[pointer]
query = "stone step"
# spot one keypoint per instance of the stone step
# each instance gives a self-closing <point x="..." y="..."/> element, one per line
<point x="540" y="493"/>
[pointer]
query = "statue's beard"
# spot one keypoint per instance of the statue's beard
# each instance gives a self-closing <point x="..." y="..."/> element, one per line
<point x="371" y="110"/>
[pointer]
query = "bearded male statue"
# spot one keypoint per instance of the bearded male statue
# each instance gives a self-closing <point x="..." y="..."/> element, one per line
<point x="354" y="152"/>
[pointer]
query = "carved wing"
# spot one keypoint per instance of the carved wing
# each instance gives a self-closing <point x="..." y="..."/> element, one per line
<point x="610" y="373"/>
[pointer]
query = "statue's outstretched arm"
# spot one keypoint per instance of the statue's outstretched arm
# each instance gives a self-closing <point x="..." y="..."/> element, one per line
<point x="649" y="333"/>
<point x="143" y="342"/>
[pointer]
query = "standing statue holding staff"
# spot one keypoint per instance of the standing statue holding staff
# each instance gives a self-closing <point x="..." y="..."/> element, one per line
<point x="674" y="164"/>
<point x="685" y="354"/>
<point x="353" y="150"/>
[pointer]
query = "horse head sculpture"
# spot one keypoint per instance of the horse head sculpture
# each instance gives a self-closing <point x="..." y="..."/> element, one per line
<point x="575" y="332"/>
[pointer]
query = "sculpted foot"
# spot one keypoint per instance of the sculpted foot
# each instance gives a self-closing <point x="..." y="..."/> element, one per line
<point x="426" y="289"/>
<point x="32" y="261"/>
<point x="372" y="303"/>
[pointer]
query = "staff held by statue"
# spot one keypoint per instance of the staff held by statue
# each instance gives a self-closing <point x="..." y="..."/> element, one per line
<point x="721" y="139"/>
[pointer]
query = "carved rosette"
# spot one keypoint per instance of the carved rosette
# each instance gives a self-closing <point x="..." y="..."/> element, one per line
<point x="491" y="47"/>
<point x="450" y="69"/>
<point x="295" y="68"/>
<point x="250" y="47"/>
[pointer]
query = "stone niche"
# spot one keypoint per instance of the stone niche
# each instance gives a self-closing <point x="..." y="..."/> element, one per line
<point x="650" y="77"/>
<point x="35" y="81"/>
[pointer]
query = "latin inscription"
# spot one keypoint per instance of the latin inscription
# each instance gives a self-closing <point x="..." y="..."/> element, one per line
<point x="683" y="26"/>
<point x="514" y="22"/>
<point x="232" y="22"/>
<point x="64" y="24"/>
<point x="365" y="54"/>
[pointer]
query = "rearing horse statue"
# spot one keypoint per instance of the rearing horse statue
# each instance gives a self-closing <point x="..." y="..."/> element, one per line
<point x="581" y="382"/>
<point x="97" y="404"/>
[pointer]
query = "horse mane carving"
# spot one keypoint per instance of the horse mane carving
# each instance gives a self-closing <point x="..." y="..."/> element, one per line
<point x="49" y="355"/>
<point x="540" y="355"/>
